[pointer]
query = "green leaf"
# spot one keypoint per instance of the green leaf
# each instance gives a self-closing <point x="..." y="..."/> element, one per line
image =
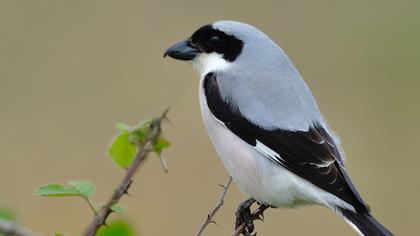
<point x="121" y="151"/>
<point x="56" y="190"/>
<point x="85" y="188"/>
<point x="6" y="214"/>
<point x="145" y="124"/>
<point x="117" y="228"/>
<point x="61" y="234"/>
<point x="160" y="144"/>
<point x="117" y="208"/>
<point x="138" y="134"/>
<point x="123" y="127"/>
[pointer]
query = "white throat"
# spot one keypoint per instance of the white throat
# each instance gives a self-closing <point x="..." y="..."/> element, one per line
<point x="208" y="62"/>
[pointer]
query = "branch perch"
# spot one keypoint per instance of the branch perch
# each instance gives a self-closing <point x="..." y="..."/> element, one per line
<point x="213" y="212"/>
<point x="143" y="150"/>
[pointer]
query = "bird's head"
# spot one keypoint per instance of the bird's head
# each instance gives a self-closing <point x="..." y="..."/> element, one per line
<point x="221" y="44"/>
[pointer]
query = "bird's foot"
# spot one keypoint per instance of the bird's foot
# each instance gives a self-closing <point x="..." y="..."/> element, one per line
<point x="244" y="216"/>
<point x="244" y="223"/>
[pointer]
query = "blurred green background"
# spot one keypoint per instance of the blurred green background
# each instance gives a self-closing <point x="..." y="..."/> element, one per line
<point x="70" y="70"/>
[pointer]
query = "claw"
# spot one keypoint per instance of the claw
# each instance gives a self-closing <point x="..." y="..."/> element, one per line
<point x="260" y="217"/>
<point x="245" y="219"/>
<point x="244" y="216"/>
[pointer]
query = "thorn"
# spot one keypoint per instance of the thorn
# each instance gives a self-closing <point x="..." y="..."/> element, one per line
<point x="128" y="185"/>
<point x="221" y="185"/>
<point x="154" y="123"/>
<point x="165" y="112"/>
<point x="165" y="117"/>
<point x="214" y="222"/>
<point x="168" y="120"/>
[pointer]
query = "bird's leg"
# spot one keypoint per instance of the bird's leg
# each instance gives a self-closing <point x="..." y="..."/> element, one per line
<point x="243" y="215"/>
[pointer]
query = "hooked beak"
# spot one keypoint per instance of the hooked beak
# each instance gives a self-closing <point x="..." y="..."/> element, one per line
<point x="182" y="51"/>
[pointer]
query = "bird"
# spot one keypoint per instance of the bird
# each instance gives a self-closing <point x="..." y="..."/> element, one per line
<point x="266" y="126"/>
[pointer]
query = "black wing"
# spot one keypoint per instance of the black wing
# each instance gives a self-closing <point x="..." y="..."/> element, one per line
<point x="310" y="154"/>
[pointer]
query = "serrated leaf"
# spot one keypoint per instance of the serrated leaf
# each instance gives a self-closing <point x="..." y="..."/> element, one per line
<point x="85" y="188"/>
<point x="117" y="228"/>
<point x="121" y="151"/>
<point x="117" y="208"/>
<point x="160" y="144"/>
<point x="123" y="127"/>
<point x="56" y="190"/>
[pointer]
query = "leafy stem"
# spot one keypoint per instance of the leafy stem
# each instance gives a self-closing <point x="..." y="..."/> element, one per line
<point x="128" y="150"/>
<point x="152" y="133"/>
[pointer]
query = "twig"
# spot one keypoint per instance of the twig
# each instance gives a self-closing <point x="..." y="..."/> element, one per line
<point x="9" y="227"/>
<point x="146" y="147"/>
<point x="91" y="205"/>
<point x="213" y="212"/>
<point x="258" y="214"/>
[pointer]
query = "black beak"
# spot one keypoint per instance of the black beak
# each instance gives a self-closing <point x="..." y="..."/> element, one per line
<point x="182" y="51"/>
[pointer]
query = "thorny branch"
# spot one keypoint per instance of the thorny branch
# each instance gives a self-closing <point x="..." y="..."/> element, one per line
<point x="213" y="212"/>
<point x="258" y="214"/>
<point x="9" y="227"/>
<point x="145" y="148"/>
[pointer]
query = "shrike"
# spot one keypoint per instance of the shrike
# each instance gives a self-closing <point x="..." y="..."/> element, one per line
<point x="266" y="126"/>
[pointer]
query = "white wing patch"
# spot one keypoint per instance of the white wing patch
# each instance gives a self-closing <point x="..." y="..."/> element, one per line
<point x="268" y="152"/>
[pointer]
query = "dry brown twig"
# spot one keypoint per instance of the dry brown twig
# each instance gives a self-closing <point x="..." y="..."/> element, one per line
<point x="258" y="214"/>
<point x="143" y="150"/>
<point x="213" y="212"/>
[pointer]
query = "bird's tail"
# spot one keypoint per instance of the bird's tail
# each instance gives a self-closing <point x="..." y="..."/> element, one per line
<point x="364" y="223"/>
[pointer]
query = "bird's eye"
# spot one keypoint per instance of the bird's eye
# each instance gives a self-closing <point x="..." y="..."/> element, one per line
<point x="214" y="41"/>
